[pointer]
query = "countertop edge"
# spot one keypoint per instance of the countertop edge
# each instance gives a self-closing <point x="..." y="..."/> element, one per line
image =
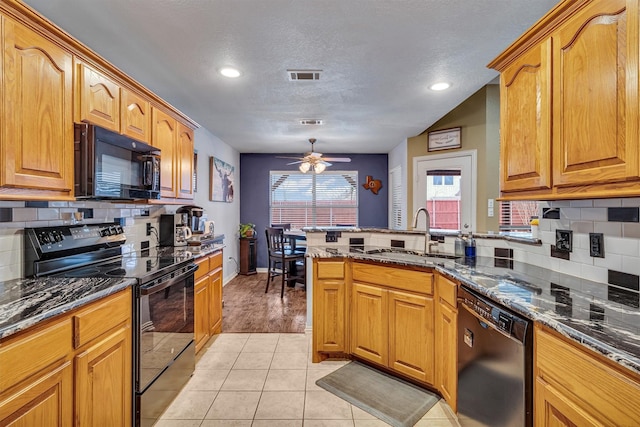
<point x="65" y="308"/>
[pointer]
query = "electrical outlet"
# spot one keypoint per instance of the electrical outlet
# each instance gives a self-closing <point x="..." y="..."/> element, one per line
<point x="148" y="229"/>
<point x="596" y="245"/>
<point x="564" y="240"/>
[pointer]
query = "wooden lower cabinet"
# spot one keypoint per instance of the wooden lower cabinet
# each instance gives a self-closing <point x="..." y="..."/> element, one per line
<point x="370" y="323"/>
<point x="411" y="341"/>
<point x="393" y="327"/>
<point x="446" y="335"/>
<point x="575" y="387"/>
<point x="208" y="299"/>
<point x="42" y="400"/>
<point x="329" y="308"/>
<point x="49" y="381"/>
<point x="103" y="384"/>
<point x="201" y="317"/>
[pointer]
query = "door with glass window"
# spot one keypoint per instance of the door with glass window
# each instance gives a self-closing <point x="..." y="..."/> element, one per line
<point x="446" y="186"/>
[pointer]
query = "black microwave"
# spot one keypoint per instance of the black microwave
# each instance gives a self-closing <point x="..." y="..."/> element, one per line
<point x="113" y="166"/>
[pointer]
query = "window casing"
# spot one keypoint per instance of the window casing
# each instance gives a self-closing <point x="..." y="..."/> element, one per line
<point x="313" y="200"/>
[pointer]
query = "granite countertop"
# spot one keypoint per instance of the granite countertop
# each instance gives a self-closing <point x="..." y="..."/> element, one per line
<point x="25" y="302"/>
<point x="602" y="317"/>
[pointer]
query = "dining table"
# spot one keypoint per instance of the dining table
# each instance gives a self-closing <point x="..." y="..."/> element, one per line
<point x="295" y="238"/>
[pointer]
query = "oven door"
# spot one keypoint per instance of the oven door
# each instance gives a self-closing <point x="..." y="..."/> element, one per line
<point x="165" y="314"/>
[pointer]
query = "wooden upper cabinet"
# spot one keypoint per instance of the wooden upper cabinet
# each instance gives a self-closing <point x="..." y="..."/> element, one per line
<point x="525" y="99"/>
<point x="164" y="137"/>
<point x="184" y="158"/>
<point x="98" y="98"/>
<point x="595" y="90"/>
<point x="135" y="116"/>
<point x="37" y="130"/>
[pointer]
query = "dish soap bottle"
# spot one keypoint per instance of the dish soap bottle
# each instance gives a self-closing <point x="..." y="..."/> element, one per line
<point x="470" y="247"/>
<point x="459" y="245"/>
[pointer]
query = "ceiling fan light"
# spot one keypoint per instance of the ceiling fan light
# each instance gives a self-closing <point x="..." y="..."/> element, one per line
<point x="304" y="167"/>
<point x="319" y="167"/>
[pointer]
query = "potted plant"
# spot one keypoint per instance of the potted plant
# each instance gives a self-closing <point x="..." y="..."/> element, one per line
<point x="247" y="230"/>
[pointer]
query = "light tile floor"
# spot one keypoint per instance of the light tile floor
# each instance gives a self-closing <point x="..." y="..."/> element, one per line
<point x="268" y="380"/>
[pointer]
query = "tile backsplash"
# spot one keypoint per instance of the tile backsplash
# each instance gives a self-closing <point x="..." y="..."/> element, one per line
<point x="15" y="216"/>
<point x="615" y="219"/>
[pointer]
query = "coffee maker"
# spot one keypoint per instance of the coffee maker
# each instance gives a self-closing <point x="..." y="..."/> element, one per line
<point x="174" y="230"/>
<point x="193" y="217"/>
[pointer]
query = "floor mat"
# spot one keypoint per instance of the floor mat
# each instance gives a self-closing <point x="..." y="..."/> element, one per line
<point x="390" y="399"/>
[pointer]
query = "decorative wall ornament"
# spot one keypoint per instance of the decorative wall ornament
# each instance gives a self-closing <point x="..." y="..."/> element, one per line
<point x="221" y="178"/>
<point x="372" y="184"/>
<point x="444" y="139"/>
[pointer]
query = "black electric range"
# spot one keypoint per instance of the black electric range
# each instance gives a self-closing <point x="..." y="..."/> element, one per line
<point x="163" y="344"/>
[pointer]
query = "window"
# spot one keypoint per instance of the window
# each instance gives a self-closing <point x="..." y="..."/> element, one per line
<point x="516" y="216"/>
<point x="443" y="180"/>
<point x="307" y="200"/>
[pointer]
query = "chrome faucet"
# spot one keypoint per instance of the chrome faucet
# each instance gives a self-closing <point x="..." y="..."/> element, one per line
<point x="427" y="235"/>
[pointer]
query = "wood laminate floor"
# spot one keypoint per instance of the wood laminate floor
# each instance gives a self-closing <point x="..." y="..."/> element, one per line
<point x="247" y="308"/>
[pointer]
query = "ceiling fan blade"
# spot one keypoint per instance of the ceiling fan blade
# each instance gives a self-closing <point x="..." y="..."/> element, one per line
<point x="295" y="163"/>
<point x="283" y="157"/>
<point x="338" y="159"/>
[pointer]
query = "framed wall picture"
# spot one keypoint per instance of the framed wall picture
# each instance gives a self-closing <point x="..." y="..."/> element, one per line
<point x="444" y="139"/>
<point x="221" y="179"/>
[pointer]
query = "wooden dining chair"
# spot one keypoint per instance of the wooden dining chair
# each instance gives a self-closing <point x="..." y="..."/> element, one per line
<point x="282" y="259"/>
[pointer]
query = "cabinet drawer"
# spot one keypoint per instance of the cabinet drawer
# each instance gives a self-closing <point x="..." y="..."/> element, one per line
<point x="447" y="291"/>
<point x="215" y="261"/>
<point x="101" y="317"/>
<point x="203" y="267"/>
<point x="330" y="270"/>
<point x="26" y="354"/>
<point x="409" y="280"/>
<point x="606" y="391"/>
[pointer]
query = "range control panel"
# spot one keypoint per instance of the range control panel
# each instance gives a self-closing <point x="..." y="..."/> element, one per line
<point x="493" y="314"/>
<point x="61" y="238"/>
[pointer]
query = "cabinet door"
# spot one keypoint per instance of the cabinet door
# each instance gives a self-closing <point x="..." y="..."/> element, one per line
<point x="525" y="116"/>
<point x="135" y="116"/>
<point x="552" y="409"/>
<point x="104" y="383"/>
<point x="185" y="162"/>
<point x="595" y="87"/>
<point x="215" y="302"/>
<point x="37" y="121"/>
<point x="329" y="327"/>
<point x="370" y="323"/>
<point x="411" y="349"/>
<point x="99" y="98"/>
<point x="201" y="312"/>
<point x="447" y="353"/>
<point x="164" y="138"/>
<point x="43" y="401"/>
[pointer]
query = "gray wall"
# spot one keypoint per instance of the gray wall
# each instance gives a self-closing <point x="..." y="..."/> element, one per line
<point x="254" y="197"/>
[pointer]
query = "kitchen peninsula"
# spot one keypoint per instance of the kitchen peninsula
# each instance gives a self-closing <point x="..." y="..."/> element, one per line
<point x="582" y="329"/>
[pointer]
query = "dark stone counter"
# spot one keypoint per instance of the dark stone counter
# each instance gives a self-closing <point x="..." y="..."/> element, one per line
<point x="600" y="316"/>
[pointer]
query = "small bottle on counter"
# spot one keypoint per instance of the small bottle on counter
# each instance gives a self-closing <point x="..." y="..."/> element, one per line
<point x="470" y="247"/>
<point x="459" y="245"/>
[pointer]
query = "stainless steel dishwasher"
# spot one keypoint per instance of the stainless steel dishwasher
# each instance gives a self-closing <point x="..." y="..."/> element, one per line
<point x="495" y="369"/>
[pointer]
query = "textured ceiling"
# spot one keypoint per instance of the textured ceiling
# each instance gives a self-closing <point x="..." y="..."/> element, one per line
<point x="377" y="57"/>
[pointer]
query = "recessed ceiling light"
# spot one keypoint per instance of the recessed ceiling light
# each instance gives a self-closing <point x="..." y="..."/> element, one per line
<point x="230" y="72"/>
<point x="439" y="86"/>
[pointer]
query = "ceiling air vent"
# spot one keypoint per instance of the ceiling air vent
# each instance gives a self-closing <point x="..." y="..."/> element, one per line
<point x="295" y="75"/>
<point x="311" y="122"/>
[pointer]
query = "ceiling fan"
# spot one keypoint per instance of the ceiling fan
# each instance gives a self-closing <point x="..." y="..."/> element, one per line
<point x="314" y="161"/>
